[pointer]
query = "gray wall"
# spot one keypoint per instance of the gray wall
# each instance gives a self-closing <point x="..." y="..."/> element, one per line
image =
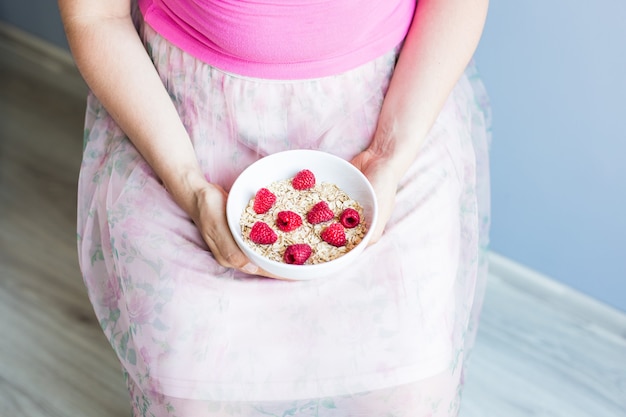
<point x="555" y="73"/>
<point x="39" y="17"/>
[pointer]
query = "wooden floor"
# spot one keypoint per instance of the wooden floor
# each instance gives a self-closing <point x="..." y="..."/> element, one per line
<point x="542" y="350"/>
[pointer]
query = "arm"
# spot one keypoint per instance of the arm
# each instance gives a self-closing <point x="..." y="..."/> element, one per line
<point x="115" y="65"/>
<point x="440" y="43"/>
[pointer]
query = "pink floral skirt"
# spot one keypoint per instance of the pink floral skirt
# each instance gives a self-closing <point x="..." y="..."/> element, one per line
<point x="391" y="336"/>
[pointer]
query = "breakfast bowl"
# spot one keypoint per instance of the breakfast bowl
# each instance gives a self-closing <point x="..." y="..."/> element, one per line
<point x="277" y="172"/>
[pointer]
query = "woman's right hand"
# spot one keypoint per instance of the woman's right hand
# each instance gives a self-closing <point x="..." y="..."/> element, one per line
<point x="208" y="211"/>
<point x="209" y="214"/>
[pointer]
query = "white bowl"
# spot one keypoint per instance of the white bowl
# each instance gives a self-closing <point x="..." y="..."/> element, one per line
<point x="283" y="165"/>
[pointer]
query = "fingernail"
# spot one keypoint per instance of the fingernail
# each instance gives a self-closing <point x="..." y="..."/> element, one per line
<point x="250" y="268"/>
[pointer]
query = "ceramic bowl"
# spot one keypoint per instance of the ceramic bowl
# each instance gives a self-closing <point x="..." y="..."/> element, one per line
<point x="284" y="165"/>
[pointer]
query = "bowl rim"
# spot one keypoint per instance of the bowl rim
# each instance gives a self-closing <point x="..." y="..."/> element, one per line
<point x="301" y="269"/>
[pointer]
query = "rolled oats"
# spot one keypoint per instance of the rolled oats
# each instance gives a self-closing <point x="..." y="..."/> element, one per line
<point x="301" y="201"/>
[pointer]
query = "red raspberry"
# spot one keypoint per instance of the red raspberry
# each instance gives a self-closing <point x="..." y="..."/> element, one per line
<point x="334" y="234"/>
<point x="303" y="180"/>
<point x="263" y="201"/>
<point x="262" y="234"/>
<point x="297" y="254"/>
<point x="350" y="218"/>
<point x="320" y="213"/>
<point x="288" y="221"/>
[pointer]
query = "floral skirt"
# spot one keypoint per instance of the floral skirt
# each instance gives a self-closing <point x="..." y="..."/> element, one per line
<point x="390" y="336"/>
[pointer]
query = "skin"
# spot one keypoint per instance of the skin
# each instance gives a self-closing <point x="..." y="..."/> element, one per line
<point x="112" y="60"/>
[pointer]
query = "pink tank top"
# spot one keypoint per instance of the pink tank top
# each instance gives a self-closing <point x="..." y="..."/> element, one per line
<point x="281" y="39"/>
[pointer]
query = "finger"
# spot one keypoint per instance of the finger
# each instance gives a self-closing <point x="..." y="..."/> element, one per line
<point x="224" y="248"/>
<point x="252" y="269"/>
<point x="378" y="233"/>
<point x="264" y="273"/>
<point x="228" y="254"/>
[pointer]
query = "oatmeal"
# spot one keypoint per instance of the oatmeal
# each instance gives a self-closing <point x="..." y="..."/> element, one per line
<point x="287" y="211"/>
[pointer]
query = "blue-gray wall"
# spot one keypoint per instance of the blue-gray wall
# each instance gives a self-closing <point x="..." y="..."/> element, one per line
<point x="556" y="73"/>
<point x="39" y="17"/>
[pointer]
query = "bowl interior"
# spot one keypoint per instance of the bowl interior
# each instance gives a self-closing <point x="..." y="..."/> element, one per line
<point x="283" y="165"/>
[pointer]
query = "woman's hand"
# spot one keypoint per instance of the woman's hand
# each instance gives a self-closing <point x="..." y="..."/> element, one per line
<point x="208" y="211"/>
<point x="385" y="184"/>
<point x="440" y="43"/>
<point x="209" y="214"/>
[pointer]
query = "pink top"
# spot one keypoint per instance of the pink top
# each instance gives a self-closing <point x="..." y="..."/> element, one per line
<point x="282" y="39"/>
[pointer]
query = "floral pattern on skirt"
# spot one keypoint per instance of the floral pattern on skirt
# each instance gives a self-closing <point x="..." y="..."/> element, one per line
<point x="389" y="337"/>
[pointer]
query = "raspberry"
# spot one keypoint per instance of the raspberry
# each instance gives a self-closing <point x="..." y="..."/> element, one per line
<point x="297" y="254"/>
<point x="263" y="201"/>
<point x="303" y="180"/>
<point x="350" y="218"/>
<point x="288" y="221"/>
<point x="320" y="213"/>
<point x="334" y="234"/>
<point x="262" y="234"/>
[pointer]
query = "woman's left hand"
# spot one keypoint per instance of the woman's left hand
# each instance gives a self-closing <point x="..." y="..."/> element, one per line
<point x="383" y="179"/>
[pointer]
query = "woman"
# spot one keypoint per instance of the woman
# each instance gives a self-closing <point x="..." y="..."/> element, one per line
<point x="185" y="95"/>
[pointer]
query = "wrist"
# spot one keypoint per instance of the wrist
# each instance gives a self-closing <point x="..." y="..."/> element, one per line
<point x="185" y="188"/>
<point x="394" y="163"/>
<point x="395" y="146"/>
